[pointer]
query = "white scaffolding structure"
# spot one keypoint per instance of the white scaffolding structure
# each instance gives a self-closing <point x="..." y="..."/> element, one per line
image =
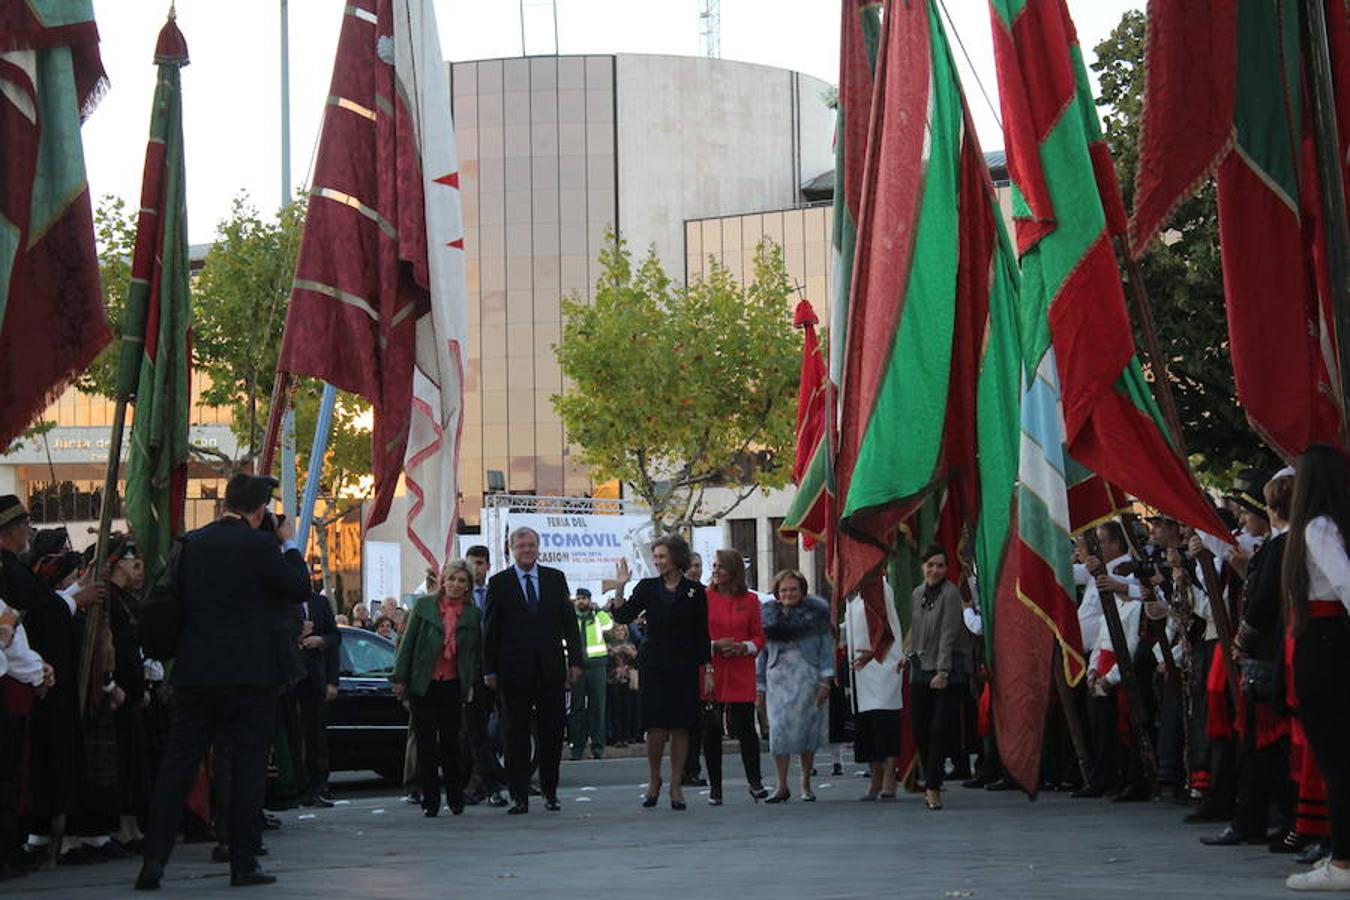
<point x="710" y="28"/>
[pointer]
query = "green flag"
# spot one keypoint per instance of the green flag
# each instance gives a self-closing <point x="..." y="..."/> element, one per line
<point x="154" y="360"/>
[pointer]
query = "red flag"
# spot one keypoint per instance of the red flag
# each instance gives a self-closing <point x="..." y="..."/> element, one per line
<point x="52" y="320"/>
<point x="364" y="284"/>
<point x="1210" y="104"/>
<point x="809" y="514"/>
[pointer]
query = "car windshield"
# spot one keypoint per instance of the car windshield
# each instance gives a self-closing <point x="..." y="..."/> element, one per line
<point x="365" y="655"/>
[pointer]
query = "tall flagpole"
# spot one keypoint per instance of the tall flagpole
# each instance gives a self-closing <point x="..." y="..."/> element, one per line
<point x="288" y="464"/>
<point x="1331" y="189"/>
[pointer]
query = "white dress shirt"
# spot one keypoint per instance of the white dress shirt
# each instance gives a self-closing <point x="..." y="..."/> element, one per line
<point x="1091" y="619"/>
<point x="1328" y="564"/>
<point x="21" y="662"/>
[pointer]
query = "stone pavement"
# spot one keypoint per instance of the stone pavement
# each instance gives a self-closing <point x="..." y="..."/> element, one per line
<point x="983" y="845"/>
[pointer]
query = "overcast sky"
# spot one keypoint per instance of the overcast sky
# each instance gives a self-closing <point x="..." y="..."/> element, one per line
<point x="232" y="95"/>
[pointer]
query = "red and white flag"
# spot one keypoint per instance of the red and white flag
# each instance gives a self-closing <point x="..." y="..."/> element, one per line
<point x="378" y="307"/>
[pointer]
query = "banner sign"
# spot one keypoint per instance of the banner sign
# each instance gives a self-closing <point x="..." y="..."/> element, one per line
<point x="382" y="571"/>
<point x="586" y="548"/>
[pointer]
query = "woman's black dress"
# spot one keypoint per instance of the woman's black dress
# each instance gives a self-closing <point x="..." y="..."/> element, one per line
<point x="674" y="649"/>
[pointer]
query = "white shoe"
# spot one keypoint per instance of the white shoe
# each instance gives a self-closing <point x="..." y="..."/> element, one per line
<point x="1322" y="877"/>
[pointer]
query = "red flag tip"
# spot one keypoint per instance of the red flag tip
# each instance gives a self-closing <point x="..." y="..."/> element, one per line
<point x="451" y="180"/>
<point x="805" y="315"/>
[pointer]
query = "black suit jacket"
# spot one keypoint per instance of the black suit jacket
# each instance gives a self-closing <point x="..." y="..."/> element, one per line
<point x="677" y="632"/>
<point x="1264" y="602"/>
<point x="236" y="593"/>
<point x="519" y="645"/>
<point x="321" y="665"/>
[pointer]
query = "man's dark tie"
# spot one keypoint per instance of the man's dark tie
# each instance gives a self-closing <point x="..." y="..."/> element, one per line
<point x="531" y="596"/>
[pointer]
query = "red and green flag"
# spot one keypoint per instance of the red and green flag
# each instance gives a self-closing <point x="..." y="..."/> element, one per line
<point x="810" y="511"/>
<point x="1085" y="400"/>
<point x="1226" y="90"/>
<point x="154" y="363"/>
<point x="52" y="320"/>
<point x="929" y="396"/>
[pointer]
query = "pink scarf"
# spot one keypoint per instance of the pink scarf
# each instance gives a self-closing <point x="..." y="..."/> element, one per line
<point x="450" y="611"/>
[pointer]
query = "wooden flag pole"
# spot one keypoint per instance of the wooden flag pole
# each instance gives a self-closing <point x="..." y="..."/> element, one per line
<point x="1077" y="734"/>
<point x="96" y="613"/>
<point x="1143" y="309"/>
<point x="1331" y="188"/>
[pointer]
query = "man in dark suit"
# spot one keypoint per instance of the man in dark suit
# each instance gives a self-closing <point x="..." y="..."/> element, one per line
<point x="319" y="642"/>
<point x="529" y="616"/>
<point x="235" y="586"/>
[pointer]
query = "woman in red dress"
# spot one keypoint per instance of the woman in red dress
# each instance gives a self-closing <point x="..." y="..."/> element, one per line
<point x="729" y="680"/>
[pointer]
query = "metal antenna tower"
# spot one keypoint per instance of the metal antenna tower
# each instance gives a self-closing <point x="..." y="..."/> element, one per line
<point x="710" y="28"/>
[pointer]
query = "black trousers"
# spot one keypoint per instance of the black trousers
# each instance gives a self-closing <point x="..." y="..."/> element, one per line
<point x="1321" y="681"/>
<point x="741" y="719"/>
<point x="523" y="701"/>
<point x="479" y="753"/>
<point x="289" y="732"/>
<point x="1106" y="746"/>
<point x="935" y="716"/>
<point x="314" y="732"/>
<point x="245" y="716"/>
<point x="436" y="718"/>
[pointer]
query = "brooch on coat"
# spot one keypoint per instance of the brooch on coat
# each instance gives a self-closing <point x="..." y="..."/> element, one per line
<point x="690" y="595"/>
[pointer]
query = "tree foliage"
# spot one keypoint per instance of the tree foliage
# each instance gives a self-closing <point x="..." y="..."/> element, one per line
<point x="676" y="389"/>
<point x="1183" y="276"/>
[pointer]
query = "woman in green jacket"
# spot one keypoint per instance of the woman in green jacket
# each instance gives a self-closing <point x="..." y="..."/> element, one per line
<point x="440" y="661"/>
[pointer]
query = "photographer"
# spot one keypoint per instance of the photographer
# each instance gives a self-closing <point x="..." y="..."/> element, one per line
<point x="235" y="587"/>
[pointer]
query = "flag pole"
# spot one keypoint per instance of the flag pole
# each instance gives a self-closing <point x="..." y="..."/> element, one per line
<point x="1143" y="308"/>
<point x="323" y="427"/>
<point x="94" y="614"/>
<point x="1331" y="189"/>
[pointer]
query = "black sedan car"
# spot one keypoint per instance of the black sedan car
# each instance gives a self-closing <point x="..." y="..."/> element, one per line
<point x="367" y="725"/>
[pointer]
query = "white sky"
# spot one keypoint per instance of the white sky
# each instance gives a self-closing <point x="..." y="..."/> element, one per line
<point x="232" y="95"/>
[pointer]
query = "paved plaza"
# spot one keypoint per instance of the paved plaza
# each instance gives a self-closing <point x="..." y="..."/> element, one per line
<point x="983" y="845"/>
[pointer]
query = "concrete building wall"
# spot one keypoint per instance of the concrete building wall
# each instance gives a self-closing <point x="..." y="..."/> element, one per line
<point x="700" y="138"/>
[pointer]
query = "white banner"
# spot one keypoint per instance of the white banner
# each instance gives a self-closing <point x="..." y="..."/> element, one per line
<point x="586" y="548"/>
<point x="381" y="571"/>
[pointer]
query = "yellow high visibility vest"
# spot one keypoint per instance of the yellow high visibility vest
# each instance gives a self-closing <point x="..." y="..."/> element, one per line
<point x="594" y="634"/>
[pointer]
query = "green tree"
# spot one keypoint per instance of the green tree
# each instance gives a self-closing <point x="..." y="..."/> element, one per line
<point x="240" y="298"/>
<point x="1183" y="276"/>
<point x="677" y="389"/>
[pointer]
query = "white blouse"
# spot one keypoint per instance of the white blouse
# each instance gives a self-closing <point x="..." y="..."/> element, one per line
<point x="21" y="662"/>
<point x="1328" y="564"/>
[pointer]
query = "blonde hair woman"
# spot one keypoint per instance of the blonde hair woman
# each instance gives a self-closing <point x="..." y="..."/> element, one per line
<point x="439" y="663"/>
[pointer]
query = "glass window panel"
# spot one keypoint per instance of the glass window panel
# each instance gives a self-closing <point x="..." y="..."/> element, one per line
<point x="546" y="211"/>
<point x="466" y="111"/>
<point x="490" y="142"/>
<point x="493" y="244"/>
<point x="773" y="227"/>
<point x="494" y="435"/>
<point x="549" y="477"/>
<point x="544" y="142"/>
<point x="571" y="106"/>
<point x="518" y="243"/>
<point x="492" y="307"/>
<point x="518" y="206"/>
<point x="693" y="239"/>
<point x="752" y="230"/>
<point x="548" y="442"/>
<point x="519" y="310"/>
<point x="815" y="257"/>
<point x="599" y="72"/>
<point x="693" y="267"/>
<point x="599" y="171"/>
<point x="494" y="409"/>
<point x="516" y="108"/>
<point x="516" y="74"/>
<point x="494" y="341"/>
<point x="519" y="277"/>
<point x="712" y="238"/>
<point x="517" y="174"/>
<point x="543" y="73"/>
<point x="571" y="172"/>
<point x="794" y="258"/>
<point x="546" y="239"/>
<point x="572" y="139"/>
<point x="600" y="206"/>
<point x="466" y="142"/>
<point x="544" y="175"/>
<point x="571" y="72"/>
<point x="521" y="436"/>
<point x="545" y="336"/>
<point x="517" y="140"/>
<point x="492" y="174"/>
<point x="493" y="274"/>
<point x="573" y="268"/>
<point x="543" y="108"/>
<point x="547" y="308"/>
<point x="491" y="209"/>
<point x="489" y="111"/>
<point x="464" y="78"/>
<point x="599" y="105"/>
<point x="600" y="138"/>
<point x="794" y="233"/>
<point x="521" y="476"/>
<point x="572" y="208"/>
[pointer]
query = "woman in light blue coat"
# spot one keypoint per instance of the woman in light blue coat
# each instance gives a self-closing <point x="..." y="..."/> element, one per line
<point x="793" y="675"/>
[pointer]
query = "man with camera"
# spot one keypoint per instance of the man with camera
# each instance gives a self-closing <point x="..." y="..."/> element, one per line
<point x="235" y="587"/>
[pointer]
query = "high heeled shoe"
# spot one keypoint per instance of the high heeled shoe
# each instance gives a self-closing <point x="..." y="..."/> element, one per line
<point x="757" y="791"/>
<point x="779" y="798"/>
<point x="678" y="805"/>
<point x="649" y="800"/>
<point x="933" y="799"/>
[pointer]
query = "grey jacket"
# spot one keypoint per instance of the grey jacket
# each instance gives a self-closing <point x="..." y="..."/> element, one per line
<point x="807" y="626"/>
<point x="935" y="632"/>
